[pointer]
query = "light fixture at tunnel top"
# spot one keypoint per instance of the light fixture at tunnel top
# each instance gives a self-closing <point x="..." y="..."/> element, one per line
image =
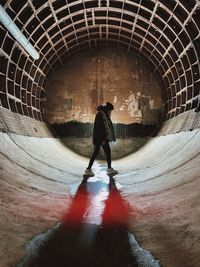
<point x="17" y="34"/>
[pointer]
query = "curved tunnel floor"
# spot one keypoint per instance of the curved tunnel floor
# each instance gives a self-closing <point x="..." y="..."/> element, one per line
<point x="160" y="182"/>
<point x="94" y="231"/>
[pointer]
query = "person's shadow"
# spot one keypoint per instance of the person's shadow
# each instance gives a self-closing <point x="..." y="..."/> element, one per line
<point x="76" y="243"/>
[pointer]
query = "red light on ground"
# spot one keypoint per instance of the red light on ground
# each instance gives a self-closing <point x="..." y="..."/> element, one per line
<point x="113" y="209"/>
<point x="116" y="210"/>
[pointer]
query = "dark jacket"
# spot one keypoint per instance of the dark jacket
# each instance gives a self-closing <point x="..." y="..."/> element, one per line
<point x="99" y="131"/>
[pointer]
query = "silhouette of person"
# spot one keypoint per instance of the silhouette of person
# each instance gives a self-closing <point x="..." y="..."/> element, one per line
<point x="103" y="133"/>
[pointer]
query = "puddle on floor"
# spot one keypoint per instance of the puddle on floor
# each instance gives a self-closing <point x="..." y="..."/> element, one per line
<point x="94" y="231"/>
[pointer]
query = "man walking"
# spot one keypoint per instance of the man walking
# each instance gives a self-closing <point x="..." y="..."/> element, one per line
<point x="103" y="133"/>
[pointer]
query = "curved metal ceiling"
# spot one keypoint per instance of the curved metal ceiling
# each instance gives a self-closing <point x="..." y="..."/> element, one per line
<point x="165" y="32"/>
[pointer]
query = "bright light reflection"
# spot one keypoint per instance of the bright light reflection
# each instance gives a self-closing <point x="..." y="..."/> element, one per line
<point x="97" y="191"/>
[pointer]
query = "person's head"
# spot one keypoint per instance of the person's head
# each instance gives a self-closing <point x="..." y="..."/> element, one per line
<point x="109" y="107"/>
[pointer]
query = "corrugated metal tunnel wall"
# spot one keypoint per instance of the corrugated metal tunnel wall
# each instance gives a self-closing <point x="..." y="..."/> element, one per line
<point x="161" y="181"/>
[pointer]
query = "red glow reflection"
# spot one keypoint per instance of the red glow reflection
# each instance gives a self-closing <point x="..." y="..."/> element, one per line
<point x="79" y="206"/>
<point x="94" y="231"/>
<point x="112" y="208"/>
<point x="116" y="209"/>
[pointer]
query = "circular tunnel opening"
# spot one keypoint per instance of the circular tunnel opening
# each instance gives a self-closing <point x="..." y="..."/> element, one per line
<point x="161" y="180"/>
<point x="91" y="78"/>
<point x="166" y="34"/>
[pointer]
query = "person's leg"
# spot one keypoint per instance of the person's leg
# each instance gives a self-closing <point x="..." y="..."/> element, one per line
<point x="95" y="153"/>
<point x="106" y="148"/>
<point x="110" y="170"/>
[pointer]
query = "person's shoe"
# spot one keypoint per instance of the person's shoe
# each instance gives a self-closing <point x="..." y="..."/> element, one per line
<point x="89" y="172"/>
<point x="111" y="171"/>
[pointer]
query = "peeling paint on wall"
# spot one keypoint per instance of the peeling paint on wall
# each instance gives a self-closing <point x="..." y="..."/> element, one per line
<point x="67" y="103"/>
<point x="122" y="107"/>
<point x="98" y="76"/>
<point x="115" y="99"/>
<point x="133" y="107"/>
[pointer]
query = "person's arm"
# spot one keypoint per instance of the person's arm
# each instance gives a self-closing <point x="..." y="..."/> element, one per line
<point x="99" y="133"/>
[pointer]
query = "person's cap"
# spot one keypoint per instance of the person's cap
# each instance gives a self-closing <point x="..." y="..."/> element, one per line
<point x="109" y="106"/>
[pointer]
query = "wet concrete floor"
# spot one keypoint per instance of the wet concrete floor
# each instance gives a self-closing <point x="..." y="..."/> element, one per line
<point x="94" y="231"/>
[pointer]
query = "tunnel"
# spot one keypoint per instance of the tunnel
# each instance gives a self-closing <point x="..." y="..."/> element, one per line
<point x="140" y="55"/>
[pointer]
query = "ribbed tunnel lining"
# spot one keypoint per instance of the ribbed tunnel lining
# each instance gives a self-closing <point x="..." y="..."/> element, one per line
<point x="161" y="181"/>
<point x="165" y="33"/>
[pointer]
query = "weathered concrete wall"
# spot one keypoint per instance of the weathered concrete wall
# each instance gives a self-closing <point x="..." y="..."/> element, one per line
<point x="15" y="123"/>
<point x="160" y="181"/>
<point x="186" y="121"/>
<point x="93" y="78"/>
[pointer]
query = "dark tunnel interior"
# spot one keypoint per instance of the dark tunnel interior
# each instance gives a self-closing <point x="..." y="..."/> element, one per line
<point x="165" y="33"/>
<point x="144" y="57"/>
